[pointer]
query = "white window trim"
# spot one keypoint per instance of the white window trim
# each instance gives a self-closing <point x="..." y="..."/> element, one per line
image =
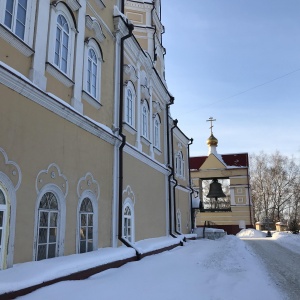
<point x="5" y="229"/>
<point x="128" y="203"/>
<point x="55" y="11"/>
<point x="24" y="46"/>
<point x="91" y="44"/>
<point x="52" y="188"/>
<point x="157" y="143"/>
<point x="130" y="86"/>
<point x="93" y="198"/>
<point x="146" y="115"/>
<point x="180" y="170"/>
<point x="178" y="220"/>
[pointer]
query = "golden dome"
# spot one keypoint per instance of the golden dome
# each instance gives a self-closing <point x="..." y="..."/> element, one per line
<point x="212" y="141"/>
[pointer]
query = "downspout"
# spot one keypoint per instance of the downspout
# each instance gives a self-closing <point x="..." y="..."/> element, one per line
<point x="123" y="137"/>
<point x="169" y="166"/>
<point x="249" y="195"/>
<point x="175" y="122"/>
<point x="190" y="186"/>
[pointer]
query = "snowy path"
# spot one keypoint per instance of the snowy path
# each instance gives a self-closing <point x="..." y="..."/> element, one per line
<point x="282" y="264"/>
<point x="221" y="269"/>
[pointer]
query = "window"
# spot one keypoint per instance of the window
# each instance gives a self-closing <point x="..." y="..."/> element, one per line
<point x="156" y="137"/>
<point x="3" y="211"/>
<point x="15" y="17"/>
<point x="92" y="74"/>
<point x="91" y="81"/>
<point x="129" y="104"/>
<point x="128" y="221"/>
<point x="178" y="221"/>
<point x="61" y="39"/>
<point x="62" y="43"/>
<point x="48" y="216"/>
<point x="145" y="120"/>
<point x="179" y="164"/>
<point x="86" y="226"/>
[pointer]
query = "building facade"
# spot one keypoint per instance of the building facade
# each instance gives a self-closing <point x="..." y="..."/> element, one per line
<point x="236" y="211"/>
<point x="85" y="152"/>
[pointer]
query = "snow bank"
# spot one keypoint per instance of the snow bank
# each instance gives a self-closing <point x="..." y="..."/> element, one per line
<point x="207" y="269"/>
<point x="287" y="240"/>
<point x="250" y="233"/>
<point x="32" y="273"/>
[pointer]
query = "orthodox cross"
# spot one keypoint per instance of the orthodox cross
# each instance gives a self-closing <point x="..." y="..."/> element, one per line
<point x="211" y="119"/>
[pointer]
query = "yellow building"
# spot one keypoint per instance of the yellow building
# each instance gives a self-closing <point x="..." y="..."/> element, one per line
<point x="236" y="211"/>
<point x="85" y="141"/>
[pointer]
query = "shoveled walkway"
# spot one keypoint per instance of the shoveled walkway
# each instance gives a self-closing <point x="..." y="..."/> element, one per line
<point x="283" y="265"/>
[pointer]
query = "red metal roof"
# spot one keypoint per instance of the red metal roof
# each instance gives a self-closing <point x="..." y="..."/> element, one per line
<point x="231" y="160"/>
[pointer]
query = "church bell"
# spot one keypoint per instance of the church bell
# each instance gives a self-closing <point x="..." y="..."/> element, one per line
<point x="215" y="190"/>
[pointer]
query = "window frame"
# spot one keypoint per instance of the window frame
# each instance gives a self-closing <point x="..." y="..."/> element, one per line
<point x="128" y="204"/>
<point x="93" y="99"/>
<point x="49" y="227"/>
<point x="179" y="164"/>
<point x="145" y="120"/>
<point x="87" y="194"/>
<point x="23" y="45"/>
<point x="61" y="9"/>
<point x="3" y="229"/>
<point x="54" y="189"/>
<point x="156" y="129"/>
<point x="129" y="110"/>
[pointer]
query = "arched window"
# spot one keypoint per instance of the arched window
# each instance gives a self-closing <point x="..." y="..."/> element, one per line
<point x="156" y="135"/>
<point x="62" y="44"/>
<point x="128" y="221"/>
<point x="145" y="120"/>
<point x="129" y="104"/>
<point x="3" y="229"/>
<point x="179" y="164"/>
<point x="61" y="39"/>
<point x="92" y="71"/>
<point x="48" y="223"/>
<point x="178" y="220"/>
<point x="92" y="68"/>
<point x="86" y="226"/>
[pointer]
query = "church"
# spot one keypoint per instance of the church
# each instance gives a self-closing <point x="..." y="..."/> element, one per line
<point x="90" y="156"/>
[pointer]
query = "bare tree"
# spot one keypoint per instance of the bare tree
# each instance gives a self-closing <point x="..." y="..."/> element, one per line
<point x="274" y="180"/>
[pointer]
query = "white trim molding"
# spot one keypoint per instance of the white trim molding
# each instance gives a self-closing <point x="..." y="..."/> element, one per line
<point x="52" y="175"/>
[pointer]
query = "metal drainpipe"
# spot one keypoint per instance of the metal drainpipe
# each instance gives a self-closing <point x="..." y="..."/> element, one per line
<point x="249" y="195"/>
<point x="120" y="237"/>
<point x="169" y="166"/>
<point x="175" y="122"/>
<point x="190" y="185"/>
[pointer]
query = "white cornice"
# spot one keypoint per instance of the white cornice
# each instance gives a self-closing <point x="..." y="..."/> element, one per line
<point x="24" y="87"/>
<point x="74" y="4"/>
<point x="142" y="5"/>
<point x="92" y="24"/>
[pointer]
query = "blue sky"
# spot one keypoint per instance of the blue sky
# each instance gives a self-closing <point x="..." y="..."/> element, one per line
<point x="239" y="62"/>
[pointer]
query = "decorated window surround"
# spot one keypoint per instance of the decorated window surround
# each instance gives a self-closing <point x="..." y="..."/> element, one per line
<point x="179" y="165"/>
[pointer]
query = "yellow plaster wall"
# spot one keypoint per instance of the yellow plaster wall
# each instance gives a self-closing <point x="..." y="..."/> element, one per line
<point x="34" y="137"/>
<point x="149" y="188"/>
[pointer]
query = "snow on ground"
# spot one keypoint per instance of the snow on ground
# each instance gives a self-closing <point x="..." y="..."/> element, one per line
<point x="285" y="239"/>
<point x="223" y="269"/>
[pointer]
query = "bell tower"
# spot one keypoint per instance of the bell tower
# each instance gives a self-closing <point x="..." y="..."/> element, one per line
<point x="148" y="29"/>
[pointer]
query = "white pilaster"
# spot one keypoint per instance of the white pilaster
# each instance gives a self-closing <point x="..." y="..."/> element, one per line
<point x="138" y="108"/>
<point x="37" y="71"/>
<point x="151" y="120"/>
<point x="78" y="76"/>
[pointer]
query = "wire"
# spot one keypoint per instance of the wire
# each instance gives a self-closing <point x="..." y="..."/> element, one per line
<point x="247" y="90"/>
